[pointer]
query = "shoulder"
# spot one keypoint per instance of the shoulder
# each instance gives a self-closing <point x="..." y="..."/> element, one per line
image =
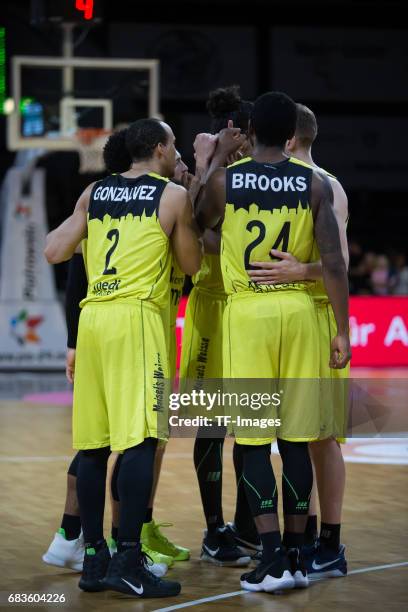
<point x="175" y="195"/>
<point x="337" y="187"/>
<point x="321" y="185"/>
<point x="299" y="162"/>
<point x="85" y="197"/>
<point x="240" y="162"/>
<point x="158" y="177"/>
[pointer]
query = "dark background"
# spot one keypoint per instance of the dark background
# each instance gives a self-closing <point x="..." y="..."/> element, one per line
<point x="347" y="60"/>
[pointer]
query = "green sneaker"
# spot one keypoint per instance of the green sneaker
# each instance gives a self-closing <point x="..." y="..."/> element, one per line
<point x="154" y="539"/>
<point x="157" y="563"/>
<point x="156" y="556"/>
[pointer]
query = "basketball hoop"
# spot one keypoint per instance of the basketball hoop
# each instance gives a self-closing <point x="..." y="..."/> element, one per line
<point x="90" y="143"/>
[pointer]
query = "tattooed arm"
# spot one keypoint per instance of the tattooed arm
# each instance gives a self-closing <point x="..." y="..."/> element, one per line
<point x="333" y="266"/>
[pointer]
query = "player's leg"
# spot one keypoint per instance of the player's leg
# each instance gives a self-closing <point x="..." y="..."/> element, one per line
<point x="327" y="558"/>
<point x="208" y="454"/>
<point x="67" y="547"/>
<point x="243" y="528"/>
<point x="137" y="410"/>
<point x="201" y="360"/>
<point x="311" y="533"/>
<point x="218" y="545"/>
<point x="297" y="481"/>
<point x="251" y="349"/>
<point x="273" y="572"/>
<point x="115" y="506"/>
<point x="157" y="545"/>
<point x="90" y="428"/>
<point x="300" y="415"/>
<point x="158" y="562"/>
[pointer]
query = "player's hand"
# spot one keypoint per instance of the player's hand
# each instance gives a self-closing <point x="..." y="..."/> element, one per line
<point x="340" y="351"/>
<point x="204" y="147"/>
<point x="230" y="140"/>
<point x="287" y="270"/>
<point x="70" y="365"/>
<point x="186" y="180"/>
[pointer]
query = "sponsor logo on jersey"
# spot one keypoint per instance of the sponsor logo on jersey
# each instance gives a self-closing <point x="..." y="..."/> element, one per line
<point x="105" y="287"/>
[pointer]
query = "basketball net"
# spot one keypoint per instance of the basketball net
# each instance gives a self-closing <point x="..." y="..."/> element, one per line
<point x="90" y="143"/>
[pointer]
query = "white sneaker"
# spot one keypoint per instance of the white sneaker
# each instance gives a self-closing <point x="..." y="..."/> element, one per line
<point x="66" y="553"/>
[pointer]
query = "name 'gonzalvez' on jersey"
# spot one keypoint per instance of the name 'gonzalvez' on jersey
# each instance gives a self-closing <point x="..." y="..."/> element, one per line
<point x="267" y="207"/>
<point x="128" y="254"/>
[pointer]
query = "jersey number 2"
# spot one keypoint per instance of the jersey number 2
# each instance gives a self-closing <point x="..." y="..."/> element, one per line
<point x="113" y="234"/>
<point x="283" y="239"/>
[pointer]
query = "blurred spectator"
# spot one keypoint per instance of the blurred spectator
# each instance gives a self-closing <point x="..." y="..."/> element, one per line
<point x="380" y="277"/>
<point x="360" y="269"/>
<point x="355" y="268"/>
<point x="401" y="283"/>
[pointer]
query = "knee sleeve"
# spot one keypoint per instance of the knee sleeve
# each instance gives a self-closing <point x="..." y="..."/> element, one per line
<point x="297" y="476"/>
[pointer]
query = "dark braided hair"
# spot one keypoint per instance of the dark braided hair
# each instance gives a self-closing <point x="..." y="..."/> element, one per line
<point x="225" y="104"/>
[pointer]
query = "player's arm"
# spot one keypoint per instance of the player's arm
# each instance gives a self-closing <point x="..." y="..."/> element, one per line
<point x="177" y="221"/>
<point x="211" y="206"/>
<point x="334" y="269"/>
<point x="76" y="290"/>
<point x="204" y="146"/>
<point x="61" y="242"/>
<point x="340" y="207"/>
<point x="212" y="241"/>
<point x="287" y="270"/>
<point x="229" y="141"/>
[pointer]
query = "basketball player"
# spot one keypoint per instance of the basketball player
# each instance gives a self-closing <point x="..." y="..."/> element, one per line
<point x="154" y="543"/>
<point x="272" y="200"/>
<point x="121" y="362"/>
<point x="324" y="558"/>
<point x="67" y="549"/>
<point x="201" y="358"/>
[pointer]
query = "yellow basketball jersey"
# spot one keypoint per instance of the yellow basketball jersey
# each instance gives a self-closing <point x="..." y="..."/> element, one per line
<point x="209" y="277"/>
<point x="127" y="253"/>
<point x="84" y="245"/>
<point x="267" y="207"/>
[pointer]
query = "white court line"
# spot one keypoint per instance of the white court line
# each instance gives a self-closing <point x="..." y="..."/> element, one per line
<point x="197" y="602"/>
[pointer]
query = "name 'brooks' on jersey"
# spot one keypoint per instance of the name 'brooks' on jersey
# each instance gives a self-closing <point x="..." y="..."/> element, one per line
<point x="267" y="207"/>
<point x="128" y="253"/>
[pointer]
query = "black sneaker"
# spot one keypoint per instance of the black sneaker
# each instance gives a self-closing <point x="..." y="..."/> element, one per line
<point x="270" y="577"/>
<point x="248" y="546"/>
<point x="326" y="563"/>
<point x="128" y="573"/>
<point x="298" y="568"/>
<point x="220" y="548"/>
<point x="95" y="568"/>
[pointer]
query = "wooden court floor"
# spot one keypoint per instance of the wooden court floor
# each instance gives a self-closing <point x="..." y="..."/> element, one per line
<point x="34" y="454"/>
